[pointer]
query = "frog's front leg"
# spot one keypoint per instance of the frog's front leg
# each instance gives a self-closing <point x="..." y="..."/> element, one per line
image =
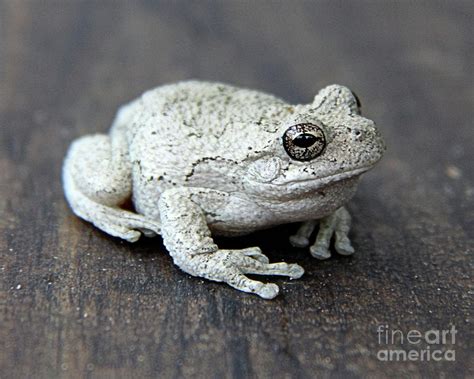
<point x="337" y="224"/>
<point x="187" y="237"/>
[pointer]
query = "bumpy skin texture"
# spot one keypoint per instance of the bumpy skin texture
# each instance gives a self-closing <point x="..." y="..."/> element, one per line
<point x="202" y="158"/>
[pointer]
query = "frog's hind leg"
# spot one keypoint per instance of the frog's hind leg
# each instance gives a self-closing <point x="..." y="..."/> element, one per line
<point x="97" y="180"/>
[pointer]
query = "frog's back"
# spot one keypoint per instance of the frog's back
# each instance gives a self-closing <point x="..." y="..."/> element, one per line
<point x="203" y="106"/>
<point x="174" y="126"/>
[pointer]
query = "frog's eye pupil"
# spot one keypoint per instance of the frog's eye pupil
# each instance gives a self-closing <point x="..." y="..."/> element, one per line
<point x="304" y="142"/>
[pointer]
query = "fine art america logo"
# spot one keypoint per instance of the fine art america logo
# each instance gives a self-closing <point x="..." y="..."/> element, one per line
<point x="416" y="345"/>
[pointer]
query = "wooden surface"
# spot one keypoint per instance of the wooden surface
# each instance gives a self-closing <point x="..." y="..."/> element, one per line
<point x="75" y="302"/>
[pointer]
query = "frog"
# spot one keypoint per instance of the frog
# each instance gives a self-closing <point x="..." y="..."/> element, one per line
<point x="198" y="159"/>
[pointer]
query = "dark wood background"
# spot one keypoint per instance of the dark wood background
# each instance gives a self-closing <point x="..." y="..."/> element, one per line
<point x="75" y="302"/>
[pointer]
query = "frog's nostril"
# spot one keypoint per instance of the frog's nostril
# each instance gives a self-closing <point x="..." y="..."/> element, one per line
<point x="355" y="133"/>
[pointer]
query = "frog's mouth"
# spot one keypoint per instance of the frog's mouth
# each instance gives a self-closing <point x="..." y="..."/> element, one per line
<point x="317" y="183"/>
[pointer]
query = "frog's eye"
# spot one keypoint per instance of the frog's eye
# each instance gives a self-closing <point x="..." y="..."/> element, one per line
<point x="359" y="105"/>
<point x="304" y="142"/>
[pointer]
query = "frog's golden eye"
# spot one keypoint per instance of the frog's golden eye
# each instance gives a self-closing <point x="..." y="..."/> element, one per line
<point x="304" y="142"/>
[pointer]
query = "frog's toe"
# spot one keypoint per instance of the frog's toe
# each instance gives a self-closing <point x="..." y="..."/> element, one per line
<point x="343" y="245"/>
<point x="297" y="271"/>
<point x="264" y="290"/>
<point x="297" y="240"/>
<point x="252" y="261"/>
<point x="131" y="236"/>
<point x="255" y="253"/>
<point x="336" y="224"/>
<point x="126" y="225"/>
<point x="302" y="235"/>
<point x="320" y="252"/>
<point x="268" y="291"/>
<point x="292" y="270"/>
<point x="118" y="230"/>
<point x="149" y="228"/>
<point x="148" y="233"/>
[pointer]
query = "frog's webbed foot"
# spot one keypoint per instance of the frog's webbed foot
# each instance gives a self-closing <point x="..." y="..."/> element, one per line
<point x="230" y="266"/>
<point x="337" y="224"/>
<point x="188" y="239"/>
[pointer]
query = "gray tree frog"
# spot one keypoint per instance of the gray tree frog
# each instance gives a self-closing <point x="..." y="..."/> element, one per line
<point x="201" y="159"/>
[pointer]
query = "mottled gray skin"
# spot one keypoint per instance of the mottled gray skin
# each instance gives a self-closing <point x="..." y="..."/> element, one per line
<point x="202" y="158"/>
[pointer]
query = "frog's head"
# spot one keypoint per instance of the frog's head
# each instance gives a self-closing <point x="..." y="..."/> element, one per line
<point x="317" y="145"/>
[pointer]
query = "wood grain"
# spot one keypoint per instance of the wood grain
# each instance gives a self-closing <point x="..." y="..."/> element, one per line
<point x="75" y="302"/>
